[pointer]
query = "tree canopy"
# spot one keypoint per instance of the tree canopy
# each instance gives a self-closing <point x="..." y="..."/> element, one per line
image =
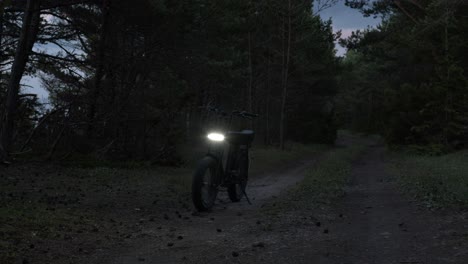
<point x="406" y="79"/>
<point x="129" y="77"/>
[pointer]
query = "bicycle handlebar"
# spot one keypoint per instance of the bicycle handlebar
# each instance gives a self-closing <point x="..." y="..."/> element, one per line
<point x="243" y="114"/>
<point x="250" y="114"/>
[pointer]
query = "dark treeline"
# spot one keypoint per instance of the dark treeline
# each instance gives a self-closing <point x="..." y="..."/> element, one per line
<point x="126" y="78"/>
<point x="407" y="78"/>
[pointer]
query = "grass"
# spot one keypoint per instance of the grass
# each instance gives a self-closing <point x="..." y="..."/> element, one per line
<point x="324" y="182"/>
<point x="24" y="224"/>
<point x="438" y="181"/>
<point x="46" y="205"/>
<point x="264" y="159"/>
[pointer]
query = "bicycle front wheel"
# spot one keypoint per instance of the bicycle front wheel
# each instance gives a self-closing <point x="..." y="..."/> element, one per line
<point x="204" y="185"/>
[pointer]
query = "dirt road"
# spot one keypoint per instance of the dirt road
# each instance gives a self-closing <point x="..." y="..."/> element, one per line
<point x="382" y="226"/>
<point x="190" y="239"/>
<point x="374" y="223"/>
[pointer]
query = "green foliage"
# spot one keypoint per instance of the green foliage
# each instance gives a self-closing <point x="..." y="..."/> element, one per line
<point x="437" y="181"/>
<point x="126" y="79"/>
<point x="311" y="109"/>
<point x="324" y="181"/>
<point x="406" y="79"/>
<point x="265" y="158"/>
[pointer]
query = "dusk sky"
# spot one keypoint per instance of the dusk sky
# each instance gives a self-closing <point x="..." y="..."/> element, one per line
<point x="343" y="17"/>
<point x="347" y="20"/>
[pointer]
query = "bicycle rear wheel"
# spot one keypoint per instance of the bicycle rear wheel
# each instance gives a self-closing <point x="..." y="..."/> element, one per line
<point x="236" y="190"/>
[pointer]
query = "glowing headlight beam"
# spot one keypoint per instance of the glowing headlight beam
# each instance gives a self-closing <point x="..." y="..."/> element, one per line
<point x="216" y="137"/>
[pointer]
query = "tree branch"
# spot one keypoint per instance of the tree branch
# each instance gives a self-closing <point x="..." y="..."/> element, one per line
<point x="58" y="58"/>
<point x="20" y="5"/>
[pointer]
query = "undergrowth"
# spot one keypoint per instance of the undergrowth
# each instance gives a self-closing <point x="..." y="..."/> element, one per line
<point x="437" y="181"/>
<point x="324" y="182"/>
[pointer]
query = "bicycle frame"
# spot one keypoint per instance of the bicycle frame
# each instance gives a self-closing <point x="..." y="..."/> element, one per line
<point x="226" y="161"/>
<point x="217" y="151"/>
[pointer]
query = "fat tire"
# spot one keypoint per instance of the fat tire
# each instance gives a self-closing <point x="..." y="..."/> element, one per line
<point x="207" y="163"/>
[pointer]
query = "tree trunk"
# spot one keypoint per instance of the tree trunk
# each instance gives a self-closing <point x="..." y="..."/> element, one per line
<point x="29" y="29"/>
<point x="33" y="132"/>
<point x="250" y="102"/>
<point x="99" y="69"/>
<point x="448" y="99"/>
<point x="286" y="60"/>
<point x="250" y="95"/>
<point x="267" y="105"/>
<point x="1" y="36"/>
<point x="56" y="142"/>
<point x="1" y="45"/>
<point x="143" y="137"/>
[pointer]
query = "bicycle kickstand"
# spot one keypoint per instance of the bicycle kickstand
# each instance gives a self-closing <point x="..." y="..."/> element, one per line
<point x="247" y="197"/>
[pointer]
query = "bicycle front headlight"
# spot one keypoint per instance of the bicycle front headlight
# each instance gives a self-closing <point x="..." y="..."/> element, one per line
<point x="218" y="137"/>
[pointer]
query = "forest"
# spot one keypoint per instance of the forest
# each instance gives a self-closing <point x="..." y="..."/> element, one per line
<point x="126" y="80"/>
<point x="407" y="77"/>
<point x="361" y="139"/>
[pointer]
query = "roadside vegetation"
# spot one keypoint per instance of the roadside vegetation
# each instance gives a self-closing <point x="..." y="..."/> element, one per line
<point x="438" y="181"/>
<point x="410" y="88"/>
<point x="325" y="180"/>
<point x="264" y="159"/>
